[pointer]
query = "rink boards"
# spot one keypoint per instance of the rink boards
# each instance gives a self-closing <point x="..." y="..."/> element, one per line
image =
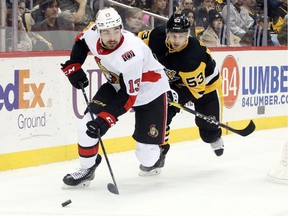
<point x="39" y="110"/>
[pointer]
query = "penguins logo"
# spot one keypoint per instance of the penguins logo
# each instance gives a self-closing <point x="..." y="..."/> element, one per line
<point x="153" y="131"/>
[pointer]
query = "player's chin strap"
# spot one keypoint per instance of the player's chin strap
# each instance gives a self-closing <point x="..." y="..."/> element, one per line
<point x="242" y="132"/>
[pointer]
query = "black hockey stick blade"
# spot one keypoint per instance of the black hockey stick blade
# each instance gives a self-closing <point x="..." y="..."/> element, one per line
<point x="242" y="132"/>
<point x="113" y="188"/>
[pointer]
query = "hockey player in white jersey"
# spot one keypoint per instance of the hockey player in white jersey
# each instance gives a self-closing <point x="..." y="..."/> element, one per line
<point x="134" y="80"/>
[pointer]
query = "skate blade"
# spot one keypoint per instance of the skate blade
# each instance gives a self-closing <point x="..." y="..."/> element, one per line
<point x="153" y="172"/>
<point x="81" y="185"/>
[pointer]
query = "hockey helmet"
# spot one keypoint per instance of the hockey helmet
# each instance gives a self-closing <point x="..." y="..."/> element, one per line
<point x="108" y="18"/>
<point x="178" y="23"/>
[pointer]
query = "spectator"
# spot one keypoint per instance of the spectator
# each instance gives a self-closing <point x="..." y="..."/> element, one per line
<point x="66" y="15"/>
<point x="36" y="14"/>
<point x="133" y="21"/>
<point x="185" y="4"/>
<point x="81" y="11"/>
<point x="219" y="4"/>
<point x="160" y="7"/>
<point x="216" y="33"/>
<point x="144" y="5"/>
<point x="21" y="7"/>
<point x="96" y="5"/>
<point x="282" y="34"/>
<point x="202" y="14"/>
<point x="122" y="10"/>
<point x="24" y="42"/>
<point x="239" y="18"/>
<point x="250" y="7"/>
<point x="277" y="15"/>
<point x="258" y="33"/>
<point x="54" y="28"/>
<point x="191" y="18"/>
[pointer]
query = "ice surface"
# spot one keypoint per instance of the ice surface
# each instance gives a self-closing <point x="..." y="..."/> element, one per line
<point x="194" y="182"/>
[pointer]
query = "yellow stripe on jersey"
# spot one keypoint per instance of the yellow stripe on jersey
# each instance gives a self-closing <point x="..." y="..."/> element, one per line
<point x="145" y="36"/>
<point x="195" y="80"/>
<point x="215" y="85"/>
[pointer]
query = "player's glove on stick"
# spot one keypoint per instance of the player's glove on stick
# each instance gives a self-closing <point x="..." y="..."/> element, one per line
<point x="102" y="123"/>
<point x="75" y="73"/>
<point x="172" y="96"/>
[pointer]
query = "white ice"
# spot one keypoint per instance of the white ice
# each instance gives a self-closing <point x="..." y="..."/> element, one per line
<point x="194" y="182"/>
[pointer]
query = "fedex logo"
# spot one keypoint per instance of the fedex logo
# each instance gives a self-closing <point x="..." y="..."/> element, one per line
<point x="13" y="95"/>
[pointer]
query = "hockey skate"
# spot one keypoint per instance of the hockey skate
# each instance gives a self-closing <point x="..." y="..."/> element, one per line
<point x="218" y="147"/>
<point x="156" y="168"/>
<point x="82" y="177"/>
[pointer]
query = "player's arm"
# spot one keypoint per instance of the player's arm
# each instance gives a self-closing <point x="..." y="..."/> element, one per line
<point x="212" y="74"/>
<point x="155" y="39"/>
<point x="72" y="68"/>
<point x="124" y="100"/>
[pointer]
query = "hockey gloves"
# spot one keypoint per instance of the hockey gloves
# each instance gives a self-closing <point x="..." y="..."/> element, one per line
<point x="172" y="96"/>
<point x="75" y="73"/>
<point x="102" y="123"/>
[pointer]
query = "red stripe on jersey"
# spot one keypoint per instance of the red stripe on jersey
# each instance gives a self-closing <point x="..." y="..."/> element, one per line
<point x="150" y="76"/>
<point x="78" y="36"/>
<point x="131" y="100"/>
<point x="165" y="117"/>
<point x="88" y="151"/>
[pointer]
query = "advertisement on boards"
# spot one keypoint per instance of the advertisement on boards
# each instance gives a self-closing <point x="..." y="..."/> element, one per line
<point x="39" y="108"/>
<point x="255" y="85"/>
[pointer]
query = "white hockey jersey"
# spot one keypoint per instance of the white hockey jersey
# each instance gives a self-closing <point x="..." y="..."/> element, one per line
<point x="143" y="75"/>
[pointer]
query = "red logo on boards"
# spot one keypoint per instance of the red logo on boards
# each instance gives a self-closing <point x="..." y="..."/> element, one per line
<point x="230" y="82"/>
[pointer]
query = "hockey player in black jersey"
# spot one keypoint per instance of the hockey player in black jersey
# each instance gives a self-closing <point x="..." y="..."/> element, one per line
<point x="193" y="75"/>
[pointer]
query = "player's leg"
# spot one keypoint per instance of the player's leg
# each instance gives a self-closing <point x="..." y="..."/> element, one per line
<point x="211" y="105"/>
<point x="177" y="95"/>
<point x="150" y="124"/>
<point x="87" y="146"/>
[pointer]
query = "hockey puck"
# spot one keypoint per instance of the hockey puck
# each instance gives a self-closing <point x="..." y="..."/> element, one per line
<point x="67" y="202"/>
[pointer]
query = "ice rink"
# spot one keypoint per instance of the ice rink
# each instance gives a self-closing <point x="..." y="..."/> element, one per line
<point x="194" y="182"/>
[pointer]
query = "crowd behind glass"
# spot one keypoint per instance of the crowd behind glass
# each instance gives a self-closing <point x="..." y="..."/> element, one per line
<point x="41" y="25"/>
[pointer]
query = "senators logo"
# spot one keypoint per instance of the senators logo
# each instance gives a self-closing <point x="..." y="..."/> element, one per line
<point x="153" y="131"/>
<point x="110" y="76"/>
<point x="128" y="55"/>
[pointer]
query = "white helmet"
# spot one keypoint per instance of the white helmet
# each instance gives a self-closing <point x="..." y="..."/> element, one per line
<point x="108" y="18"/>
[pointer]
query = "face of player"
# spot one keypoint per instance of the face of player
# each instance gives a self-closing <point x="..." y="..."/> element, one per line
<point x="177" y="39"/>
<point x="111" y="37"/>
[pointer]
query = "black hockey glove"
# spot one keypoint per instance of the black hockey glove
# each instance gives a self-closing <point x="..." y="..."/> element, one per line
<point x="102" y="123"/>
<point x="75" y="73"/>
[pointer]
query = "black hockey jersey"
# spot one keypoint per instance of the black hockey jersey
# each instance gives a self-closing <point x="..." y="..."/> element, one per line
<point x="192" y="66"/>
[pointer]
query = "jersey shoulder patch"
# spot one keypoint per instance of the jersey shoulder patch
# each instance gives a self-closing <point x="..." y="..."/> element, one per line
<point x="145" y="36"/>
<point x="128" y="55"/>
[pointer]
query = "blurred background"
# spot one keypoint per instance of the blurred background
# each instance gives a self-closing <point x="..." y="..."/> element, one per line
<point x="42" y="25"/>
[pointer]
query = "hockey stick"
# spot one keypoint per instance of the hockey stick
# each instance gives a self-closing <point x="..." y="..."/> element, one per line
<point x="111" y="187"/>
<point x="243" y="132"/>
